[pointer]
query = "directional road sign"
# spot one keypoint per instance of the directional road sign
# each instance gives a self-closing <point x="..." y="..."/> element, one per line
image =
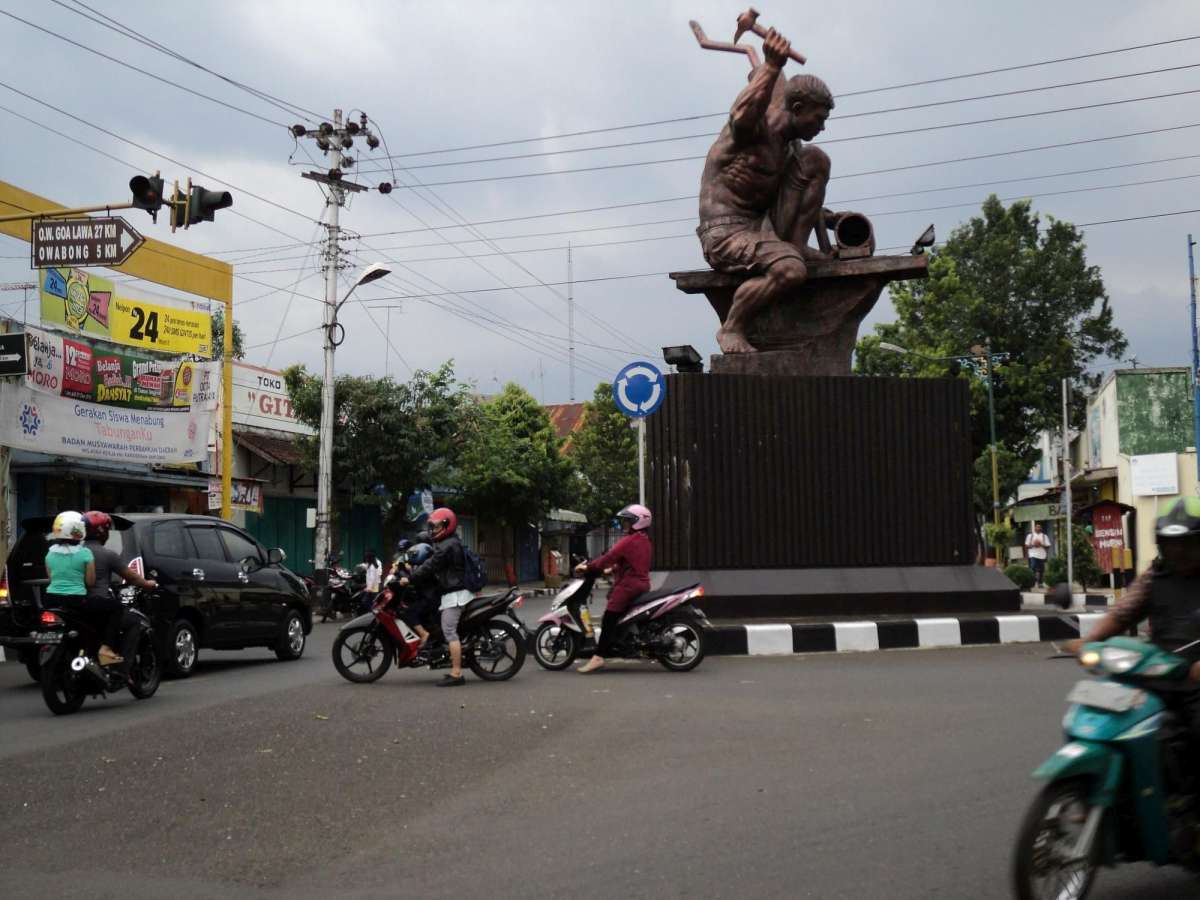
<point x="105" y="242"/>
<point x="14" y="360"/>
<point x="639" y="389"/>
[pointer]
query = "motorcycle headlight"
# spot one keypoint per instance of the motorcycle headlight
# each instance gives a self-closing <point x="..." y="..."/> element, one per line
<point x="1119" y="661"/>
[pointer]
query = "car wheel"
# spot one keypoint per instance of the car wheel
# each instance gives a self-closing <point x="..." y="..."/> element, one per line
<point x="290" y="642"/>
<point x="183" y="649"/>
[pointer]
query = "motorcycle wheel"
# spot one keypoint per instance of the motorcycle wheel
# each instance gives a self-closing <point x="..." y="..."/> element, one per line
<point x="687" y="650"/>
<point x="63" y="693"/>
<point x="145" y="671"/>
<point x="555" y="647"/>
<point x="496" y="652"/>
<point x="1042" y="867"/>
<point x="362" y="654"/>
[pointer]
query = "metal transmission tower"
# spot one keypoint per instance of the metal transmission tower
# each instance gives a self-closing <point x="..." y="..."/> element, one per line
<point x="334" y="140"/>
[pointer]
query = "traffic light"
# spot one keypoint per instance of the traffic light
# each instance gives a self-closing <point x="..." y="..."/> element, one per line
<point x="197" y="206"/>
<point x="147" y="194"/>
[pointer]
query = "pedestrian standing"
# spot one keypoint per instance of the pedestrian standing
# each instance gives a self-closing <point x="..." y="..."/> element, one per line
<point x="1037" y="542"/>
<point x="374" y="573"/>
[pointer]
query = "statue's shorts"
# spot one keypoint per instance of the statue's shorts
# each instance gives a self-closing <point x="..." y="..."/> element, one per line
<point x="736" y="244"/>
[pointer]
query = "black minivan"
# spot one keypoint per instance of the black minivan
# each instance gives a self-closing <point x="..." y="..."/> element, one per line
<point x="218" y="588"/>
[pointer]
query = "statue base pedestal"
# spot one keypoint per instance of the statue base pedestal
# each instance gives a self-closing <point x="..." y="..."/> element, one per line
<point x="812" y="332"/>
<point x="815" y="496"/>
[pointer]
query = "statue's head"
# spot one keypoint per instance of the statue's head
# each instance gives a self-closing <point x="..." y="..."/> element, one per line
<point x="808" y="102"/>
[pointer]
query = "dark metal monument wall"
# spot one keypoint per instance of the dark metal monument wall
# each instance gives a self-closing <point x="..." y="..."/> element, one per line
<point x="751" y="471"/>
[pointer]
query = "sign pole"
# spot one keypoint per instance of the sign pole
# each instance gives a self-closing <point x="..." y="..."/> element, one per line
<point x="1066" y="467"/>
<point x="227" y="414"/>
<point x="641" y="430"/>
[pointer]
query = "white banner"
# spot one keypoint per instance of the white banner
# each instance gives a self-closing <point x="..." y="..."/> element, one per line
<point x="1154" y="474"/>
<point x="60" y="426"/>
<point x="260" y="400"/>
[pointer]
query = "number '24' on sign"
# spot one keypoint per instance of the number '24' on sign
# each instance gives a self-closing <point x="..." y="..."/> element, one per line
<point x="145" y="325"/>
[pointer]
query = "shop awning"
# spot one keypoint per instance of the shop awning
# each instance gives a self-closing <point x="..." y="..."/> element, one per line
<point x="26" y="463"/>
<point x="566" y="515"/>
<point x="280" y="451"/>
<point x="1094" y="476"/>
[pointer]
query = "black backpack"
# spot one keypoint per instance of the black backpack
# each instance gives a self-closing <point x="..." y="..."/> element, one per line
<point x="474" y="574"/>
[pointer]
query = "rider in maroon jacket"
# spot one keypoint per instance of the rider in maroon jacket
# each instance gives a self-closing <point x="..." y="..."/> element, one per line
<point x="630" y="560"/>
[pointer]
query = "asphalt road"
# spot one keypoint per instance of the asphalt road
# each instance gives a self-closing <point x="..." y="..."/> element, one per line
<point x="888" y="775"/>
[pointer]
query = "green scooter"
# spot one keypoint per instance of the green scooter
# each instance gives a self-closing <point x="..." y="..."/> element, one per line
<point x="1120" y="789"/>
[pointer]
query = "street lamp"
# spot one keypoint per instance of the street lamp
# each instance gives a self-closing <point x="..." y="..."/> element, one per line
<point x="325" y="456"/>
<point x="981" y="357"/>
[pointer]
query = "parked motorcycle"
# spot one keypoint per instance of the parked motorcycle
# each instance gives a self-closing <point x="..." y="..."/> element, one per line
<point x="69" y="643"/>
<point x="343" y="596"/>
<point x="1122" y="788"/>
<point x="661" y="625"/>
<point x="493" y="647"/>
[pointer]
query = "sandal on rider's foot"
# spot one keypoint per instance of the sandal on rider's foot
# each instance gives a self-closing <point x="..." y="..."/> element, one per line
<point x="451" y="681"/>
<point x="109" y="658"/>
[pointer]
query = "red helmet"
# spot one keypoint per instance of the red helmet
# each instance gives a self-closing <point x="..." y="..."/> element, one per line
<point x="444" y="514"/>
<point x="99" y="524"/>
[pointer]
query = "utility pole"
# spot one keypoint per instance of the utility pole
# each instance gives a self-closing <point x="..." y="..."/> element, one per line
<point x="992" y="424"/>
<point x="1195" y="357"/>
<point x="1066" y="468"/>
<point x="332" y="139"/>
<point x="571" y="321"/>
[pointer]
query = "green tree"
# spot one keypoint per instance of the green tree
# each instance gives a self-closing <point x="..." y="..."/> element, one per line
<point x="1031" y="291"/>
<point x="512" y="469"/>
<point x="403" y="436"/>
<point x="218" y="336"/>
<point x="605" y="452"/>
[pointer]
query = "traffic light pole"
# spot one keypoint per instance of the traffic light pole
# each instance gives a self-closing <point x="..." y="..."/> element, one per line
<point x="57" y="213"/>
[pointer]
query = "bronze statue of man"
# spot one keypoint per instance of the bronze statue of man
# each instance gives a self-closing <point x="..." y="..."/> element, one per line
<point x="763" y="191"/>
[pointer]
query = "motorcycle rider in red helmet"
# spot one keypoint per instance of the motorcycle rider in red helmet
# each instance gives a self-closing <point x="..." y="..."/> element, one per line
<point x="447" y="569"/>
<point x="108" y="563"/>
<point x="630" y="557"/>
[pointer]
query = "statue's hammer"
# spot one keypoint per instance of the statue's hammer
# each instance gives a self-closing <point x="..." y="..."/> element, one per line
<point x="748" y="21"/>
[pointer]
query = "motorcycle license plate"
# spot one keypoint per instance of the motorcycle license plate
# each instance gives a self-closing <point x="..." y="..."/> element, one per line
<point x="47" y="637"/>
<point x="1105" y="695"/>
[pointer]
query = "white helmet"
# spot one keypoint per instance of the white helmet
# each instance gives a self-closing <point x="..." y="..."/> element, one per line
<point x="69" y="526"/>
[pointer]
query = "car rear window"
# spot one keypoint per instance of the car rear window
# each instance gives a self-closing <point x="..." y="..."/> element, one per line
<point x="169" y="539"/>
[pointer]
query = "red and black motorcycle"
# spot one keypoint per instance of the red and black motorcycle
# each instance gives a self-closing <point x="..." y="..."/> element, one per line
<point x="493" y="647"/>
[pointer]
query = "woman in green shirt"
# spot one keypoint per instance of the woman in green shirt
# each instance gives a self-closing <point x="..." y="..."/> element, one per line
<point x="72" y="570"/>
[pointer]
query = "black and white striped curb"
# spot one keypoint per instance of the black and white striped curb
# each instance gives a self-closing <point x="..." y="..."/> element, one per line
<point x="1037" y="598"/>
<point x="894" y="634"/>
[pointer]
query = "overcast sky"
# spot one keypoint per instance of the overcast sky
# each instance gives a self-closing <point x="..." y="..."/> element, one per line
<point x="446" y="75"/>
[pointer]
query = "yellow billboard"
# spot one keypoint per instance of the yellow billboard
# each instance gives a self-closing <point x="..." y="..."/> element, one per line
<point x="77" y="301"/>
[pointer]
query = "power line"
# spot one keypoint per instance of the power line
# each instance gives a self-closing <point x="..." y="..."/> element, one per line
<point x="146" y="149"/>
<point x="837" y="202"/>
<point x="124" y="30"/>
<point x="861" y="137"/>
<point x="611" y="330"/>
<point x="711" y="134"/>
<point x="130" y="165"/>
<point x="692" y="234"/>
<point x="597" y="279"/>
<point x="692" y="197"/>
<point x="858" y="93"/>
<point x="120" y="62"/>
